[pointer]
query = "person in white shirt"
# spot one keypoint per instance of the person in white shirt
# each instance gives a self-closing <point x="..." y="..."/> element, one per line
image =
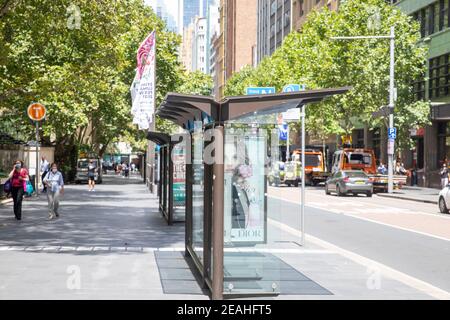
<point x="45" y="168"/>
<point x="55" y="184"/>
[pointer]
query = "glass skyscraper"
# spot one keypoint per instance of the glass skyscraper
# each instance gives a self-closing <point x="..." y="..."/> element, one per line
<point x="191" y="8"/>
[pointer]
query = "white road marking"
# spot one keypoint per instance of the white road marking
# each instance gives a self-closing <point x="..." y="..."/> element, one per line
<point x="346" y="213"/>
<point x="415" y="283"/>
<point x="398" y="227"/>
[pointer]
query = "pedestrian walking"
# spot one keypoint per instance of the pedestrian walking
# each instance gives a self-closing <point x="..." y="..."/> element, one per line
<point x="444" y="175"/>
<point x="126" y="170"/>
<point x="55" y="189"/>
<point x="18" y="177"/>
<point x="91" y="175"/>
<point x="45" y="168"/>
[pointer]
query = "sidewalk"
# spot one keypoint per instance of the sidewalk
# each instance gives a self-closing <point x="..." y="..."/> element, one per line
<point x="418" y="194"/>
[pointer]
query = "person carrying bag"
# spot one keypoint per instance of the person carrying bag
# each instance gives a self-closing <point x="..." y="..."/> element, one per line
<point x="19" y="178"/>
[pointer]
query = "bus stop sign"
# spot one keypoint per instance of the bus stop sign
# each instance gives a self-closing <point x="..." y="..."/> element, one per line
<point x="36" y="111"/>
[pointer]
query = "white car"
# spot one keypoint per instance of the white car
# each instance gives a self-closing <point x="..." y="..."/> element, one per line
<point x="444" y="200"/>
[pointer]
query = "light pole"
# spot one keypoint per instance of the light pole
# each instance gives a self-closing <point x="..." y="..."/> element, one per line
<point x="391" y="142"/>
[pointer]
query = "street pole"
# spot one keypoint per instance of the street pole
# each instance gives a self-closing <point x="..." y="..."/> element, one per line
<point x="302" y="212"/>
<point x="37" y="160"/>
<point x="390" y="144"/>
<point x="287" y="143"/>
<point x="391" y="113"/>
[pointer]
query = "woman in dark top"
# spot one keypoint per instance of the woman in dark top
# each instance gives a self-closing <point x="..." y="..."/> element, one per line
<point x="19" y="177"/>
<point x="91" y="175"/>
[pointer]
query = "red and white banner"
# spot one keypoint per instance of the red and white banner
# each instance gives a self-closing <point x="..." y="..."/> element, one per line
<point x="143" y="89"/>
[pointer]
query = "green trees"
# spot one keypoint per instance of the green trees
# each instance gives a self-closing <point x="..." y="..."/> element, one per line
<point x="311" y="57"/>
<point x="80" y="62"/>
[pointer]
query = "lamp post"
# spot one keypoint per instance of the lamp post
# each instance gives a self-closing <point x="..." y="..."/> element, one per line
<point x="391" y="143"/>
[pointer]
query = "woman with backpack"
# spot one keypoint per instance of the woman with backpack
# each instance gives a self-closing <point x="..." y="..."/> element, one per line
<point x="18" y="177"/>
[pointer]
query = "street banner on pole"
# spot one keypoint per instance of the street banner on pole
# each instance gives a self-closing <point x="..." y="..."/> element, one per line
<point x="144" y="85"/>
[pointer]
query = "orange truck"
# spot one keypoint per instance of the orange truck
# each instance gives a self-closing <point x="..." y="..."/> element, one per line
<point x="365" y="160"/>
<point x="315" y="169"/>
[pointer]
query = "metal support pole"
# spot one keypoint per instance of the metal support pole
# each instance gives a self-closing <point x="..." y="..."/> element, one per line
<point x="218" y="215"/>
<point x="37" y="160"/>
<point x="288" y="144"/>
<point x="302" y="213"/>
<point x="391" y="114"/>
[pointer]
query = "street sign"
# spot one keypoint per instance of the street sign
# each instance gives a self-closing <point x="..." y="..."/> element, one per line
<point x="36" y="111"/>
<point x="293" y="114"/>
<point x="260" y="90"/>
<point x="392" y="133"/>
<point x="294" y="87"/>
<point x="391" y="147"/>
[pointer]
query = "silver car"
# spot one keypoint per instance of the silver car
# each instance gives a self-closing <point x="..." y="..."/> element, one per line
<point x="349" y="182"/>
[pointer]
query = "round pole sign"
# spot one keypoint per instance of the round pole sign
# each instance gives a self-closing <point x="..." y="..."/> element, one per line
<point x="36" y="112"/>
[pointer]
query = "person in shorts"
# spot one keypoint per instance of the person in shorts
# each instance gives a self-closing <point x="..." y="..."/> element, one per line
<point x="91" y="175"/>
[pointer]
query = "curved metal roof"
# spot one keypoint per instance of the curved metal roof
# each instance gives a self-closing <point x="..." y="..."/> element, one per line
<point x="158" y="138"/>
<point x="182" y="109"/>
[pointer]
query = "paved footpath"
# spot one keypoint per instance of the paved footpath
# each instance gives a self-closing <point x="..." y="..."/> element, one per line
<point x="108" y="238"/>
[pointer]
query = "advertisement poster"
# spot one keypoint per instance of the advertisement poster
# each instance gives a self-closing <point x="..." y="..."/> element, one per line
<point x="179" y="176"/>
<point x="245" y="189"/>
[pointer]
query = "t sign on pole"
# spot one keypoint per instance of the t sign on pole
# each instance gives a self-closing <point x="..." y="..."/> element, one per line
<point x="37" y="113"/>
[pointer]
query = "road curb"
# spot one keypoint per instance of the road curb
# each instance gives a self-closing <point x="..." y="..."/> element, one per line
<point x="407" y="198"/>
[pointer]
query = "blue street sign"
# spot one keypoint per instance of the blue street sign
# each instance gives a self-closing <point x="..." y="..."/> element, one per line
<point x="294" y="87"/>
<point x="392" y="133"/>
<point x="260" y="90"/>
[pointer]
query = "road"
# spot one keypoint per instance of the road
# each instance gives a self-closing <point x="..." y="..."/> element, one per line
<point x="407" y="236"/>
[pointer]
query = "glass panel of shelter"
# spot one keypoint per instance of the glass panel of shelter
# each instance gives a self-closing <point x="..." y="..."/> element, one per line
<point x="253" y="241"/>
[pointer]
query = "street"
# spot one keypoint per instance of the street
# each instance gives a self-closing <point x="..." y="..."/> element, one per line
<point x="410" y="237"/>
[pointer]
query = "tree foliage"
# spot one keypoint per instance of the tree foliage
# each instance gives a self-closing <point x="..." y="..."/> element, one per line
<point x="311" y="57"/>
<point x="81" y="69"/>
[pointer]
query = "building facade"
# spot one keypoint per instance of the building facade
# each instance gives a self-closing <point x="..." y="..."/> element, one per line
<point x="240" y="35"/>
<point x="199" y="45"/>
<point x="186" y="47"/>
<point x="432" y="143"/>
<point x="192" y="9"/>
<point x="171" y="11"/>
<point x="274" y="23"/>
<point x="301" y="9"/>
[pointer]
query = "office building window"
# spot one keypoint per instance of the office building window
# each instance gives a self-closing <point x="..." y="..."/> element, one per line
<point x="419" y="89"/>
<point x="439" y="76"/>
<point x="434" y="17"/>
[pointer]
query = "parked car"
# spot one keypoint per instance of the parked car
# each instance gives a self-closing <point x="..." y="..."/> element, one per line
<point x="345" y="182"/>
<point x="82" y="170"/>
<point x="444" y="200"/>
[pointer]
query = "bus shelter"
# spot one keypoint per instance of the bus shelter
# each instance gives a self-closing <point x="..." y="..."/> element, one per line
<point x="171" y="179"/>
<point x="233" y="224"/>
